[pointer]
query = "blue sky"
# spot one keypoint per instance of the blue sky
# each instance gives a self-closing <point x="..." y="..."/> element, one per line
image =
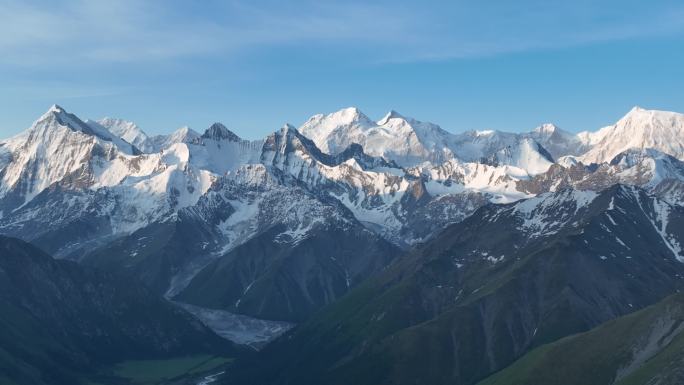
<point x="254" y="65"/>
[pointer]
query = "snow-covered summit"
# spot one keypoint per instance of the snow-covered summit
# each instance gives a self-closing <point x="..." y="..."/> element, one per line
<point x="182" y="135"/>
<point x="502" y="148"/>
<point x="334" y="132"/>
<point x="557" y="141"/>
<point x="58" y="119"/>
<point x="394" y="137"/>
<point x="56" y="147"/>
<point x="392" y="114"/>
<point x="127" y="131"/>
<point x="400" y="177"/>
<point x="639" y="129"/>
<point x="410" y="142"/>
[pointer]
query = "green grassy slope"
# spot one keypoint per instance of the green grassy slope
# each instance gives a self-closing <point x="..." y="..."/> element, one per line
<point x="478" y="297"/>
<point x="641" y="348"/>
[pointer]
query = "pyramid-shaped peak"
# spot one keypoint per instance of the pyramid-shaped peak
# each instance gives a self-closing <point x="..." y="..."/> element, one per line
<point x="288" y="127"/>
<point x="218" y="131"/>
<point x="57" y="116"/>
<point x="56" y="108"/>
<point x="392" y="114"/>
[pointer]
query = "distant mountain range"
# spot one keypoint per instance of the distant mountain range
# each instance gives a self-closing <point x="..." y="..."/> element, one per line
<point x="407" y="254"/>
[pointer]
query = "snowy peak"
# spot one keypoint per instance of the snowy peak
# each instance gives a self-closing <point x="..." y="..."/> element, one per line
<point x="637" y="110"/>
<point x="57" y="119"/>
<point x="503" y="149"/>
<point x="334" y="132"/>
<point x="181" y="135"/>
<point x="289" y="149"/>
<point x="651" y="119"/>
<point x="219" y="132"/>
<point x="56" y="116"/>
<point x="390" y="115"/>
<point x="639" y="129"/>
<point x="55" y="108"/>
<point x="557" y="142"/>
<point x="546" y="129"/>
<point x="410" y="142"/>
<point x="128" y="131"/>
<point x="345" y="116"/>
<point x="286" y="142"/>
<point x="403" y="140"/>
<point x="348" y="115"/>
<point x="550" y="133"/>
<point x="528" y="155"/>
<point x="58" y="147"/>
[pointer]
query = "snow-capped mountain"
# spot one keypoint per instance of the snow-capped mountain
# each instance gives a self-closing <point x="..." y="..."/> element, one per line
<point x="59" y="147"/>
<point x="133" y="134"/>
<point x="167" y="207"/>
<point x="181" y="135"/>
<point x="410" y="142"/>
<point x="127" y="131"/>
<point x="405" y="141"/>
<point x="345" y="156"/>
<point x="502" y="148"/>
<point x="557" y="142"/>
<point x="639" y="129"/>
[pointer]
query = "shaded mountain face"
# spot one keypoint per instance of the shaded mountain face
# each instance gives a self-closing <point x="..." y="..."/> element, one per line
<point x="646" y="347"/>
<point x="287" y="275"/>
<point x="219" y="132"/>
<point x="505" y="280"/>
<point x="256" y="248"/>
<point x="60" y="320"/>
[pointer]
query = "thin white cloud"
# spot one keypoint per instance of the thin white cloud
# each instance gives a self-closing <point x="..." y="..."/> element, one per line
<point x="92" y="32"/>
<point x="134" y="31"/>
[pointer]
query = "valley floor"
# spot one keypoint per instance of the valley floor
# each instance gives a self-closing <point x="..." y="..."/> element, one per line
<point x="241" y="329"/>
<point x="175" y="371"/>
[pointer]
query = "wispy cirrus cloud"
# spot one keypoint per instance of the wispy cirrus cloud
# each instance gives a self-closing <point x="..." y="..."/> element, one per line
<point x="91" y="32"/>
<point x="80" y="31"/>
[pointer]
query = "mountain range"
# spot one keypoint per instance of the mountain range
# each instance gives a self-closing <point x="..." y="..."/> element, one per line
<point x="404" y="253"/>
<point x="509" y="278"/>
